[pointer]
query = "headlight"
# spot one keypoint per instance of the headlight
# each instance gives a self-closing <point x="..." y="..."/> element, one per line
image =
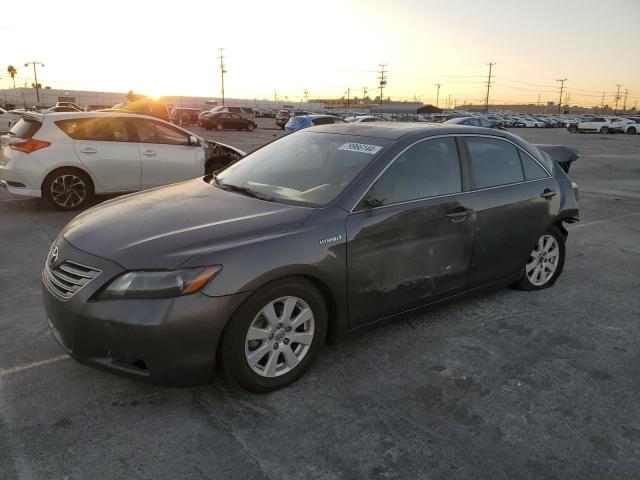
<point x="159" y="283"/>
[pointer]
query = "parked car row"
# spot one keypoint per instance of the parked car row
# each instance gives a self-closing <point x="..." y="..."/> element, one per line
<point x="605" y="125"/>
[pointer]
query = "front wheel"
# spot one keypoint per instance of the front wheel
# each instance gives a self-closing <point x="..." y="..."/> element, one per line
<point x="251" y="127"/>
<point x="545" y="262"/>
<point x="273" y="338"/>
<point x="219" y="127"/>
<point x="573" y="129"/>
<point x="604" y="130"/>
<point x="631" y="131"/>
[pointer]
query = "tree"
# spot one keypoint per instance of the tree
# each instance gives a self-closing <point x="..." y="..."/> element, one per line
<point x="132" y="97"/>
<point x="12" y="71"/>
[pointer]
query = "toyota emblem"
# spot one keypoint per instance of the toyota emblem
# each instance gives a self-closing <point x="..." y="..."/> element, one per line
<point x="53" y="257"/>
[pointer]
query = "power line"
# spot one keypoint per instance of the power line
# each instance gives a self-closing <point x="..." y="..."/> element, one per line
<point x="486" y="103"/>
<point x="615" y="110"/>
<point x="382" y="80"/>
<point x="35" y="75"/>
<point x="561" y="80"/>
<point x="438" y="93"/>
<point x="222" y="71"/>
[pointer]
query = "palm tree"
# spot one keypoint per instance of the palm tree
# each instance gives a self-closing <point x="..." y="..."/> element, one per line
<point x="12" y="71"/>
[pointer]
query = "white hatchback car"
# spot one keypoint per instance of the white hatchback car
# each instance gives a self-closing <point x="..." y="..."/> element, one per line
<point x="66" y="158"/>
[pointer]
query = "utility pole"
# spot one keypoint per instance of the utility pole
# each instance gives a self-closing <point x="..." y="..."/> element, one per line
<point x="35" y="75"/>
<point x="615" y="110"/>
<point x="561" y="80"/>
<point x="624" y="105"/>
<point x="306" y="95"/>
<point x="348" y="95"/>
<point x="382" y="79"/>
<point x="602" y="102"/>
<point x="538" y="100"/>
<point x="486" y="102"/>
<point x="364" y="93"/>
<point x="438" y="93"/>
<point x="222" y="71"/>
<point x="275" y="95"/>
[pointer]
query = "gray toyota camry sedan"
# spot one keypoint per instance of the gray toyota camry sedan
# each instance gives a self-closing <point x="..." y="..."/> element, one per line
<point x="318" y="233"/>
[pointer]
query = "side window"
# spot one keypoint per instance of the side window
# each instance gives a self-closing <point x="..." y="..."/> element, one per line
<point x="493" y="162"/>
<point x="428" y="169"/>
<point x="156" y="132"/>
<point x="532" y="171"/>
<point x="473" y="122"/>
<point x="322" y="121"/>
<point x="485" y="123"/>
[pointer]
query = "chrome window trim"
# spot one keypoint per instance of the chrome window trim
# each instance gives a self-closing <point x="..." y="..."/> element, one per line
<point x="454" y="135"/>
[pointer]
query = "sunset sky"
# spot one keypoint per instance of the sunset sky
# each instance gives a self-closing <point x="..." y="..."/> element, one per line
<point x="170" y="48"/>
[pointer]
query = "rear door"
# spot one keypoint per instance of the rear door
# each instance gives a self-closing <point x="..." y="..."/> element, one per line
<point x="410" y="240"/>
<point x="166" y="154"/>
<point x="107" y="147"/>
<point x="513" y="197"/>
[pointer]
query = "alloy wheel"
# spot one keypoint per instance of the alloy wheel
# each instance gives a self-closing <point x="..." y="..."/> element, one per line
<point x="68" y="190"/>
<point x="543" y="260"/>
<point x="279" y="336"/>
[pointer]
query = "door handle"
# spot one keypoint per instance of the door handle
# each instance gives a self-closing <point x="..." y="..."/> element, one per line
<point x="149" y="153"/>
<point x="88" y="150"/>
<point x="548" y="194"/>
<point x="458" y="216"/>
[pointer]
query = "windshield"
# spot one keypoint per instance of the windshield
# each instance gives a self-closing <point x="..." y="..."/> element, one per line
<point x="306" y="167"/>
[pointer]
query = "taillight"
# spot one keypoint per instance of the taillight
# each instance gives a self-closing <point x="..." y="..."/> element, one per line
<point x="29" y="146"/>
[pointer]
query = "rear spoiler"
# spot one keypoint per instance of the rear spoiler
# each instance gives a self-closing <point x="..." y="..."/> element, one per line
<point x="563" y="155"/>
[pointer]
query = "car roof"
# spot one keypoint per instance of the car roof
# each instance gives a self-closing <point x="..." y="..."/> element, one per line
<point x="397" y="130"/>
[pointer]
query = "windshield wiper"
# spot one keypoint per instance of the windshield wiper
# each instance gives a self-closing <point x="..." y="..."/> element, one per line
<point x="243" y="190"/>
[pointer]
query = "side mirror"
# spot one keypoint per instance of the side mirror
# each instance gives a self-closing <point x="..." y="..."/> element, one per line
<point x="193" y="141"/>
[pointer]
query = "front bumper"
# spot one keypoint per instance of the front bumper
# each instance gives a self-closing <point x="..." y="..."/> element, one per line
<point x="169" y="341"/>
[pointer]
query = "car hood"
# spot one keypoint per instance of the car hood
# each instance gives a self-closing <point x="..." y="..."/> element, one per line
<point x="164" y="227"/>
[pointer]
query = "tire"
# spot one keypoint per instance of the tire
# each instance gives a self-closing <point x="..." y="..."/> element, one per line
<point x="604" y="130"/>
<point x="219" y="127"/>
<point x="573" y="129"/>
<point x="631" y="131"/>
<point x="270" y="352"/>
<point x="251" y="127"/>
<point x="208" y="127"/>
<point x="546" y="258"/>
<point x="68" y="189"/>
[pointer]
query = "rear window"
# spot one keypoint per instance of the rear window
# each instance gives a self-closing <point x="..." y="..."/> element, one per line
<point x="25" y="128"/>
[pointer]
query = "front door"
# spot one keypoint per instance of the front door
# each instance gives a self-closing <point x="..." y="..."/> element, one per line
<point x="410" y="240"/>
<point x="166" y="154"/>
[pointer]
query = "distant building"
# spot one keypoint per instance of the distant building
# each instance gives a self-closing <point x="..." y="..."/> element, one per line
<point x="26" y="97"/>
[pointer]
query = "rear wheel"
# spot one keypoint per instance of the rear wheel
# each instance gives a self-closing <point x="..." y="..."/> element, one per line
<point x="272" y="340"/>
<point x="631" y="131"/>
<point x="219" y="126"/>
<point x="545" y="262"/>
<point x="573" y="129"/>
<point x="604" y="130"/>
<point x="251" y="127"/>
<point x="68" y="189"/>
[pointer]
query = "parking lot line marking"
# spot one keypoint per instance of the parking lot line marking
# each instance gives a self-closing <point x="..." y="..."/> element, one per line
<point x="602" y="221"/>
<point x="27" y="366"/>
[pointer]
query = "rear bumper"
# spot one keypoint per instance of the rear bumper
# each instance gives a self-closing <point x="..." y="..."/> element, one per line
<point x="169" y="341"/>
<point x="20" y="191"/>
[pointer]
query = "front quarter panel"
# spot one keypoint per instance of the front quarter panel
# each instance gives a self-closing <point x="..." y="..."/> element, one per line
<point x="315" y="250"/>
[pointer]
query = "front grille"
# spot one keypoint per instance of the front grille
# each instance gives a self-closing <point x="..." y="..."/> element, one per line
<point x="67" y="278"/>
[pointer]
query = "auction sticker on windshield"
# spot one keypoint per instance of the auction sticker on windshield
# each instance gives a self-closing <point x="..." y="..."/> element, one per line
<point x="361" y="148"/>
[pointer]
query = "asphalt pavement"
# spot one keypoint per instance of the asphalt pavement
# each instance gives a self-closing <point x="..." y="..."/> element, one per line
<point x="503" y="385"/>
